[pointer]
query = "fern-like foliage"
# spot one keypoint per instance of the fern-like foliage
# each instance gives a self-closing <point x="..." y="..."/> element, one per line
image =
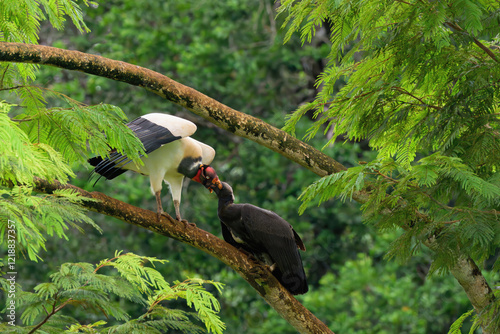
<point x="42" y="142"/>
<point x="426" y="189"/>
<point x="83" y="285"/>
<point x="422" y="83"/>
<point x="35" y="216"/>
<point x="20" y="161"/>
<point x="455" y="328"/>
<point x="20" y="22"/>
<point x="422" y="88"/>
<point x="80" y="130"/>
<point x="41" y="145"/>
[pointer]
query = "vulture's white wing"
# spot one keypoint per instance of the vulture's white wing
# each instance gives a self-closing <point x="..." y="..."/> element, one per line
<point x="207" y="153"/>
<point x="153" y="130"/>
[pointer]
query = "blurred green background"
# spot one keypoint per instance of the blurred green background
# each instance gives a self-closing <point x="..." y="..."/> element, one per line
<point x="233" y="52"/>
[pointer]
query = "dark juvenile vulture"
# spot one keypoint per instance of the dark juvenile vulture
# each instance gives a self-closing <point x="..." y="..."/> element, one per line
<point x="171" y="156"/>
<point x="263" y="233"/>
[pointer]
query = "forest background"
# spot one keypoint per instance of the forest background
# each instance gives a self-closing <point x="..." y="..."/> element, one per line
<point x="234" y="52"/>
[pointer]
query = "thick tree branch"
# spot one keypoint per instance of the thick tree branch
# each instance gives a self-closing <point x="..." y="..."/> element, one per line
<point x="257" y="275"/>
<point x="465" y="271"/>
<point x="221" y="115"/>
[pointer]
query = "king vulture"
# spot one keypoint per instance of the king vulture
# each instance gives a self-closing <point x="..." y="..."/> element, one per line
<point x="171" y="156"/>
<point x="263" y="233"/>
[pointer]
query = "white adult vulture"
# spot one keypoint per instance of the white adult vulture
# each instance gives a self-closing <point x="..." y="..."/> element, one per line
<point x="171" y="156"/>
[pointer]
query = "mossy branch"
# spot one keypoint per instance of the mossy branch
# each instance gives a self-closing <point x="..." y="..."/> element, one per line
<point x="256" y="274"/>
<point x="221" y="115"/>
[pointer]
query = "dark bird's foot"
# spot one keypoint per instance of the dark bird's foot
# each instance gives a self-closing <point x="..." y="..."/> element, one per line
<point x="251" y="256"/>
<point x="257" y="273"/>
<point x="247" y="253"/>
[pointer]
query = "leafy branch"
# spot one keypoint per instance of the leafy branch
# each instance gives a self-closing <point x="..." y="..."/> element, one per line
<point x="476" y="41"/>
<point x="80" y="284"/>
<point x="399" y="89"/>
<point x="49" y="315"/>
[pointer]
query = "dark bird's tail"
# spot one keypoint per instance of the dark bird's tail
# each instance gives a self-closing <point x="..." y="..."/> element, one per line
<point x="294" y="280"/>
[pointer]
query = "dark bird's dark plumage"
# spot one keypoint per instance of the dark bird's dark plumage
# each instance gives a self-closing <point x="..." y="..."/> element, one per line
<point x="263" y="233"/>
<point x="171" y="156"/>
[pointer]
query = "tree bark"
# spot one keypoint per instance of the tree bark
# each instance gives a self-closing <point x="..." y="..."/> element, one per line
<point x="465" y="271"/>
<point x="221" y="115"/>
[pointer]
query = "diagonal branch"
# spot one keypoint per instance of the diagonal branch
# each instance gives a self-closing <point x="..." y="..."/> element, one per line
<point x="476" y="41"/>
<point x="221" y="115"/>
<point x="256" y="274"/>
<point x="50" y="314"/>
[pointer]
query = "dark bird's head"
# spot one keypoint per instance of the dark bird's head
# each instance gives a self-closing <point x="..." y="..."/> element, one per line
<point x="223" y="191"/>
<point x="208" y="177"/>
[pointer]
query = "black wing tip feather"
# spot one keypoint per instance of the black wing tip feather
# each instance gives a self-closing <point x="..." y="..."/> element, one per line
<point x="152" y="136"/>
<point x="106" y="167"/>
<point x="95" y="161"/>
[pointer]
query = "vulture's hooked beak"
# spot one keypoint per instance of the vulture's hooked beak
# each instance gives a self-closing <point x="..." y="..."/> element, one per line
<point x="208" y="177"/>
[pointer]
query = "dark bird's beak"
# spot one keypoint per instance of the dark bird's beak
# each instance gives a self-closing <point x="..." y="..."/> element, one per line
<point x="215" y="183"/>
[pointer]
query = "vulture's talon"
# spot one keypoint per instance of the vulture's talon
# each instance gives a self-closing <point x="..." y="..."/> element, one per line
<point x="186" y="223"/>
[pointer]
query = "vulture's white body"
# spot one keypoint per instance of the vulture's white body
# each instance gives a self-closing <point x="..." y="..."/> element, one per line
<point x="171" y="154"/>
